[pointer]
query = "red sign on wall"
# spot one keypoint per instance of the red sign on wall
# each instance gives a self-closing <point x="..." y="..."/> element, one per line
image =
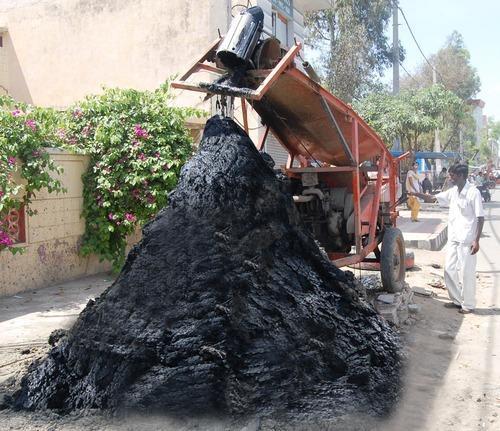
<point x="15" y="225"/>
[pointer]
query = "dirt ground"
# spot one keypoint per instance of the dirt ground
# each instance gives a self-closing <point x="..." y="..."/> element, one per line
<point x="451" y="382"/>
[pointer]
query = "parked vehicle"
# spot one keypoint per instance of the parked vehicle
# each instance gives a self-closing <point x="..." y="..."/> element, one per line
<point x="485" y="193"/>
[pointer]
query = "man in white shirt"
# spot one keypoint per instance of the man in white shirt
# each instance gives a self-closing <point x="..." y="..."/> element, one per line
<point x="413" y="186"/>
<point x="465" y="224"/>
<point x="479" y="181"/>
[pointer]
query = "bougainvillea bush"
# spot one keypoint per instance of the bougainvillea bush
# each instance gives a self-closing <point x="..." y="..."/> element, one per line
<point x="25" y="166"/>
<point x="137" y="143"/>
<point x="136" y="140"/>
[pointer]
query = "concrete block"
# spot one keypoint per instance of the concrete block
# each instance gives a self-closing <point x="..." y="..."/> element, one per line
<point x="422" y="291"/>
<point x="386" y="298"/>
<point x="391" y="316"/>
<point x="413" y="308"/>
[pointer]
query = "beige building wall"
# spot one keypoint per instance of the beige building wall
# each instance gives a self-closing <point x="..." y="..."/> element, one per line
<point x="53" y="236"/>
<point x="59" y="51"/>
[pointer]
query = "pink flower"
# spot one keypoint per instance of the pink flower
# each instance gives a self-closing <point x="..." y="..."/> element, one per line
<point x="11" y="161"/>
<point x="135" y="144"/>
<point x="158" y="155"/>
<point x="166" y="167"/>
<point x="17" y="113"/>
<point x="86" y="130"/>
<point x="141" y="157"/>
<point x="61" y="133"/>
<point x="140" y="132"/>
<point x="150" y="198"/>
<point x="5" y="239"/>
<point x="31" y="124"/>
<point x="136" y="193"/>
<point x="130" y="217"/>
<point x="36" y="153"/>
<point x="111" y="216"/>
<point x="77" y="113"/>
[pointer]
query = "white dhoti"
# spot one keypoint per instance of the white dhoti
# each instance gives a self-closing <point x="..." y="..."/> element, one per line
<point x="460" y="274"/>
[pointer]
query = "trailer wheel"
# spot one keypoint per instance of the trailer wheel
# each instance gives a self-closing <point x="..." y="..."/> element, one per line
<point x="392" y="260"/>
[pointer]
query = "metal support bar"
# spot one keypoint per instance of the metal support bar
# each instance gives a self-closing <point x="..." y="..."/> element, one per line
<point x="245" y="114"/>
<point x="263" y="139"/>
<point x="392" y="188"/>
<point x="285" y="62"/>
<point x="333" y="121"/>
<point x="376" y="199"/>
<point x="402" y="156"/>
<point x="322" y="169"/>
<point x="209" y="68"/>
<point x="195" y="65"/>
<point x="356" y="193"/>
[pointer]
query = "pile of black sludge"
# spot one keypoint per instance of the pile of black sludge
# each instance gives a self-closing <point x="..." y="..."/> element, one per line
<point x="227" y="305"/>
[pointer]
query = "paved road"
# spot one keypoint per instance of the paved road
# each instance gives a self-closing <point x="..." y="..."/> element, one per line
<point x="456" y="383"/>
<point x="453" y="376"/>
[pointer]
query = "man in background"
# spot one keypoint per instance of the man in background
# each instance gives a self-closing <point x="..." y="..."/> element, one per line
<point x="413" y="186"/>
<point x="427" y="185"/>
<point x="479" y="180"/>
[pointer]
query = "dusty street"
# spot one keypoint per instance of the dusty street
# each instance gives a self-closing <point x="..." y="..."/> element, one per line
<point x="451" y="381"/>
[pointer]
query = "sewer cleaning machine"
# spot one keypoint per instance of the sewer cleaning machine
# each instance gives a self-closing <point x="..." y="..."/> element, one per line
<point x="345" y="180"/>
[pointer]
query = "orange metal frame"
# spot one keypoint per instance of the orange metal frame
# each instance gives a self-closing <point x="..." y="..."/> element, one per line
<point x="386" y="163"/>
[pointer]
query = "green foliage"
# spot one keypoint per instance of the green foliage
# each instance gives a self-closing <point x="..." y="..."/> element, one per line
<point x="454" y="70"/>
<point x="137" y="144"/>
<point x="25" y="165"/>
<point x="494" y="129"/>
<point x="410" y="114"/>
<point x="352" y="41"/>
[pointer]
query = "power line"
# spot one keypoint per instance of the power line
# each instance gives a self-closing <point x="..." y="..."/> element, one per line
<point x="418" y="46"/>
<point x="409" y="74"/>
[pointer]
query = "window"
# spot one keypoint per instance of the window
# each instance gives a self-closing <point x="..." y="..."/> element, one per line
<point x="280" y="27"/>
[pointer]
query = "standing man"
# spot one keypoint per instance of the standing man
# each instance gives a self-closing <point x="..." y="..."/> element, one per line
<point x="413" y="186"/>
<point x="427" y="185"/>
<point x="465" y="224"/>
<point x="479" y="181"/>
<point x="443" y="175"/>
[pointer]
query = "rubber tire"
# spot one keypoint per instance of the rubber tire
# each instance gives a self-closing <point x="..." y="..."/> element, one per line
<point x="393" y="249"/>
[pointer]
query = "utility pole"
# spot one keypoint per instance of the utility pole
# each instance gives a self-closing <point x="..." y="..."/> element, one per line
<point x="395" y="50"/>
<point x="461" y="144"/>
<point x="395" y="61"/>
<point x="437" y="142"/>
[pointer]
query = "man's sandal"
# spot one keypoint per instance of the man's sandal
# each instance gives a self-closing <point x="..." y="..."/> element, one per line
<point x="452" y="305"/>
<point x="465" y="311"/>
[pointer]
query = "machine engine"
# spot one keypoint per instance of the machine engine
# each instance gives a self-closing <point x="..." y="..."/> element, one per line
<point x="326" y="212"/>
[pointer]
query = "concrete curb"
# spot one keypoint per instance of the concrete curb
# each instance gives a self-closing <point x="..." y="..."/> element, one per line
<point x="433" y="242"/>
